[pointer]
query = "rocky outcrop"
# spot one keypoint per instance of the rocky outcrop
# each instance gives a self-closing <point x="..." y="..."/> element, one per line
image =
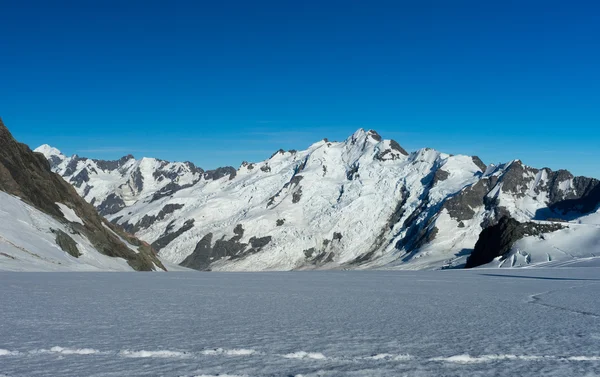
<point x="205" y="253"/>
<point x="111" y="205"/>
<point x="220" y="173"/>
<point x="462" y="206"/>
<point x="497" y="240"/>
<point x="168" y="236"/>
<point x="66" y="243"/>
<point x="148" y="221"/>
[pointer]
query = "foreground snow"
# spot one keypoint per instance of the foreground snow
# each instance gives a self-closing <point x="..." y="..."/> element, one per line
<point x="526" y="322"/>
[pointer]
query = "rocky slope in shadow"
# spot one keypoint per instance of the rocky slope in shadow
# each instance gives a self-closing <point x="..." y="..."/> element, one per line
<point x="27" y="175"/>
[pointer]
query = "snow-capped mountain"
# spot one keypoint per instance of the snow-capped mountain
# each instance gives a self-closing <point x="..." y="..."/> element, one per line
<point x="361" y="203"/>
<point x="45" y="225"/>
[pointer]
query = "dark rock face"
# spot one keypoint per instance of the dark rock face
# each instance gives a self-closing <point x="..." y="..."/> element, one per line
<point x="297" y="195"/>
<point x="517" y="178"/>
<point x="497" y="240"/>
<point x="148" y="221"/>
<point x="248" y="165"/>
<point x="374" y="135"/>
<point x="172" y="175"/>
<point x="193" y="168"/>
<point x="352" y="173"/>
<point x="112" y="204"/>
<point x="265" y="168"/>
<point x="72" y="165"/>
<point x="27" y="175"/>
<point x="220" y="173"/>
<point x="239" y="232"/>
<point x="308" y="253"/>
<point x="319" y="257"/>
<point x="112" y="165"/>
<point x="81" y="178"/>
<point x="280" y="151"/>
<point x="588" y="202"/>
<point x="205" y="253"/>
<point x="294" y="186"/>
<point x="295" y="181"/>
<point x="280" y="222"/>
<point x="258" y="243"/>
<point x="169" y="236"/>
<point x="477" y="161"/>
<point x="440" y="176"/>
<point x="137" y="180"/>
<point x="199" y="259"/>
<point x="395" y="146"/>
<point x="460" y="206"/>
<point x="54" y="161"/>
<point x="66" y="243"/>
<point x="169" y="189"/>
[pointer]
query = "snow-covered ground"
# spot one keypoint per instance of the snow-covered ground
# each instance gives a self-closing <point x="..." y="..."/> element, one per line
<point x="484" y="322"/>
<point x="27" y="241"/>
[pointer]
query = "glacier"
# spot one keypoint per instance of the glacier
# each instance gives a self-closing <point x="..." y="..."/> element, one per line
<point x="480" y="322"/>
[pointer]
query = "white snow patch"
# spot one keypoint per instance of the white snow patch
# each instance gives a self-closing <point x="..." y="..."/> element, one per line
<point x="153" y="354"/>
<point x="305" y="355"/>
<point x="74" y="351"/>
<point x="584" y="358"/>
<point x="69" y="214"/>
<point x="468" y="359"/>
<point x="4" y="352"/>
<point x="230" y="352"/>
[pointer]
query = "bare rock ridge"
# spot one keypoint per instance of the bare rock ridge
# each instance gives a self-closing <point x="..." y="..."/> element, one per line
<point x="497" y="240"/>
<point x="395" y="209"/>
<point x="28" y="175"/>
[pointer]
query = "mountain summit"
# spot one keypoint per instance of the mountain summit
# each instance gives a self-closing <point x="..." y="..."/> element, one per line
<point x="364" y="202"/>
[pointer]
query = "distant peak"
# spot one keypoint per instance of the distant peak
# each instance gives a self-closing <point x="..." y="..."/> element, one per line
<point x="361" y="133"/>
<point x="48" y="150"/>
<point x="358" y="133"/>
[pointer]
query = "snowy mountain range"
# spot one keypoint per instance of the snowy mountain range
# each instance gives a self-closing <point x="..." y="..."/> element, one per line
<point x="46" y="226"/>
<point x="360" y="203"/>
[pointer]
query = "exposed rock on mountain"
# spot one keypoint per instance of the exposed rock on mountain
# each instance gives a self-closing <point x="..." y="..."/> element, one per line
<point x="50" y="201"/>
<point x="497" y="240"/>
<point x="394" y="209"/>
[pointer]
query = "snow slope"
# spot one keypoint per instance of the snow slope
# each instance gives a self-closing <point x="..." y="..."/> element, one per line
<point x="576" y="245"/>
<point x="27" y="242"/>
<point x="360" y="203"/>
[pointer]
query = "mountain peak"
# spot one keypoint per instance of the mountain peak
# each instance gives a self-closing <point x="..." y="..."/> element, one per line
<point x="48" y="151"/>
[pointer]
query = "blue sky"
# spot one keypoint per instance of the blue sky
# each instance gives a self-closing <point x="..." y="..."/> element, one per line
<point x="219" y="82"/>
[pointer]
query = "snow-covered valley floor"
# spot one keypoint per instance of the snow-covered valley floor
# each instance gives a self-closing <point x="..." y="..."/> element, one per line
<point x="486" y="322"/>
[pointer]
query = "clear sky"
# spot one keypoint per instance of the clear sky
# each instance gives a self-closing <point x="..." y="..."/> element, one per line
<point x="219" y="82"/>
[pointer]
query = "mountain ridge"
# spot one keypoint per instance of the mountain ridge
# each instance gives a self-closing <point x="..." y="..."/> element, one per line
<point x="364" y="202"/>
